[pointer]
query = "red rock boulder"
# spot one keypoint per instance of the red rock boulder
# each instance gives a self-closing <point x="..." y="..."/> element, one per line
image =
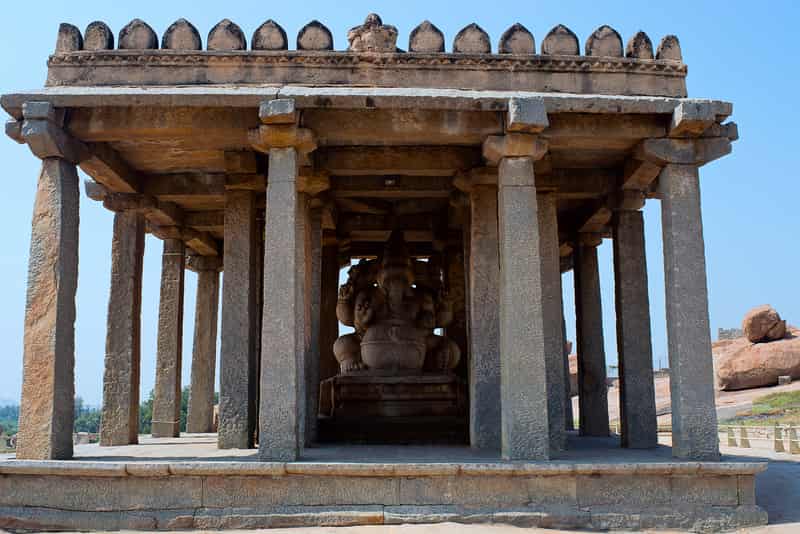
<point x="762" y="324"/>
<point x="740" y="364"/>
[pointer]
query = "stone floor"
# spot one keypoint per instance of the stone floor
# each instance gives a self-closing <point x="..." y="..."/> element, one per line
<point x="203" y="447"/>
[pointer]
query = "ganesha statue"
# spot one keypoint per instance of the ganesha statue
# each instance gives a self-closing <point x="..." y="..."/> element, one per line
<point x="395" y="304"/>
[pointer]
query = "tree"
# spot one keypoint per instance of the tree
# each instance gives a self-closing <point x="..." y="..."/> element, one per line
<point x="146" y="412"/>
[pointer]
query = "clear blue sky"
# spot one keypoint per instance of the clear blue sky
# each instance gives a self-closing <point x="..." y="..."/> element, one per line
<point x="744" y="52"/>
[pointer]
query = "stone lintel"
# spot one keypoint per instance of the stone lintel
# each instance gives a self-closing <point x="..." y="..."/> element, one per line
<point x="268" y="136"/>
<point x="590" y="239"/>
<point x="197" y="263"/>
<point x="513" y="145"/>
<point x="526" y="115"/>
<point x="200" y="242"/>
<point x="240" y="162"/>
<point x="245" y="182"/>
<point x="639" y="174"/>
<point x="278" y="111"/>
<point x="467" y="180"/>
<point x="682" y="151"/>
<point x="691" y="119"/>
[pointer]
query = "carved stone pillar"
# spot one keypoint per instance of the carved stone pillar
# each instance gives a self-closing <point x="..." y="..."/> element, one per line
<point x="48" y="384"/>
<point x="592" y="388"/>
<point x="120" y="421"/>
<point x="329" y="324"/>
<point x="200" y="416"/>
<point x="167" y="392"/>
<point x="315" y="294"/>
<point x="637" y="390"/>
<point x="237" y="410"/>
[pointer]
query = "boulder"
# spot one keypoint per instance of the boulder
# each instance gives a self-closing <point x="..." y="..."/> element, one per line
<point x="740" y="364"/>
<point x="762" y="324"/>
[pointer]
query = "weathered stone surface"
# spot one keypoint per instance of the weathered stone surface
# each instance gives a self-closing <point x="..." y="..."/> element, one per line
<point x="762" y="324"/>
<point x="98" y="36"/>
<point x="281" y="353"/>
<point x="472" y="39"/>
<point x="167" y="391"/>
<point x="314" y="352"/>
<point x="552" y="313"/>
<point x="593" y="393"/>
<point x="137" y="35"/>
<point x="226" y="35"/>
<point x="513" y="145"/>
<point x="238" y="365"/>
<point x="373" y="36"/>
<point x="278" y="111"/>
<point x="635" y="353"/>
<point x="269" y="36"/>
<point x="48" y="385"/>
<point x="314" y="36"/>
<point x="604" y="42"/>
<point x="526" y="115"/>
<point x="426" y="38"/>
<point x="523" y="369"/>
<point x="200" y="416"/>
<point x="694" y="418"/>
<point x="691" y="119"/>
<point x="517" y="40"/>
<point x="181" y="35"/>
<point x="560" y="41"/>
<point x="669" y="48"/>
<point x="69" y="39"/>
<point x="639" y="47"/>
<point x="484" y="290"/>
<point x="120" y="421"/>
<point x="740" y="364"/>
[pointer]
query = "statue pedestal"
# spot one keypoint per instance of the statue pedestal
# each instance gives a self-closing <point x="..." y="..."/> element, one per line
<point x="393" y="409"/>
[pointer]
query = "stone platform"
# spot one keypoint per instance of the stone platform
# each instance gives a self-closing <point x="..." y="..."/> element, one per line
<point x="187" y="483"/>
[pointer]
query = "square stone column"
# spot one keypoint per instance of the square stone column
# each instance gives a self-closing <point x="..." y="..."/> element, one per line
<point x="694" y="419"/>
<point x="569" y="415"/>
<point x="484" y="319"/>
<point x="550" y="264"/>
<point x="120" y="421"/>
<point x="286" y="310"/>
<point x="523" y="342"/>
<point x="200" y="416"/>
<point x="592" y="388"/>
<point x="167" y="394"/>
<point x="329" y="324"/>
<point x="315" y="324"/>
<point x="48" y="377"/>
<point x="237" y="410"/>
<point x="637" y="390"/>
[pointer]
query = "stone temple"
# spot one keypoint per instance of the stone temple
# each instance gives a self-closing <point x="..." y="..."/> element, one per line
<point x="455" y="182"/>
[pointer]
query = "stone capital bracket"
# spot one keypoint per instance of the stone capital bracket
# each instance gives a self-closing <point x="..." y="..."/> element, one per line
<point x="42" y="130"/>
<point x="197" y="263"/>
<point x="589" y="239"/>
<point x="312" y="181"/>
<point x="279" y="128"/>
<point x="200" y="242"/>
<point x="157" y="212"/>
<point x="696" y="152"/>
<point x="626" y="200"/>
<point x="513" y="145"/>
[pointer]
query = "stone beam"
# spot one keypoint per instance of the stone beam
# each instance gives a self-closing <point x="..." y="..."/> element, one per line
<point x="405" y="160"/>
<point x="639" y="174"/>
<point x="205" y="221"/>
<point x="593" y="217"/>
<point x="682" y="151"/>
<point x="391" y="186"/>
<point x="369" y="222"/>
<point x="200" y="242"/>
<point x="691" y="119"/>
<point x="567" y="183"/>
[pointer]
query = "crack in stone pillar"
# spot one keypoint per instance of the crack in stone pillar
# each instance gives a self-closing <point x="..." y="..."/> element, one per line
<point x="637" y="389"/>
<point x="120" y="420"/>
<point x="167" y="392"/>
<point x="694" y="419"/>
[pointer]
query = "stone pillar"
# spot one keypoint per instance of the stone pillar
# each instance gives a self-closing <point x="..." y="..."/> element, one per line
<point x="167" y="393"/>
<point x="569" y="415"/>
<point x="329" y="324"/>
<point x="484" y="292"/>
<point x="550" y="264"/>
<point x="48" y="381"/>
<point x="237" y="354"/>
<point x="200" y="417"/>
<point x="120" y="420"/>
<point x="637" y="390"/>
<point x="315" y="324"/>
<point x="592" y="388"/>
<point x="523" y="342"/>
<point x="457" y="293"/>
<point x="694" y="420"/>
<point x="281" y="418"/>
